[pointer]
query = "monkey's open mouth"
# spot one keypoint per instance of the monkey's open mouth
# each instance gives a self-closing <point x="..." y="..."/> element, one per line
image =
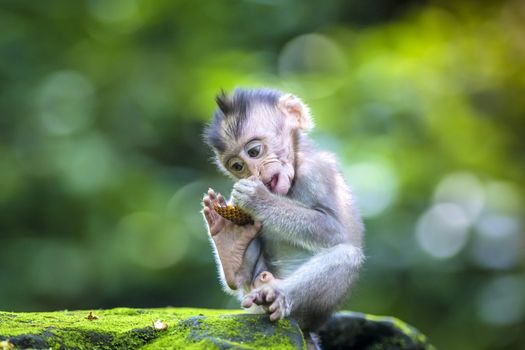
<point x="272" y="183"/>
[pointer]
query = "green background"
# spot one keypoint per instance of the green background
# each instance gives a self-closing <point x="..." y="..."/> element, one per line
<point x="102" y="167"/>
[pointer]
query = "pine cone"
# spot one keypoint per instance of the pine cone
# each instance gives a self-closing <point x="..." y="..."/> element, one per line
<point x="234" y="214"/>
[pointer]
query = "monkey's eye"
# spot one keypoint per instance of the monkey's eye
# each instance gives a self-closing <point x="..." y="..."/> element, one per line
<point x="254" y="149"/>
<point x="236" y="165"/>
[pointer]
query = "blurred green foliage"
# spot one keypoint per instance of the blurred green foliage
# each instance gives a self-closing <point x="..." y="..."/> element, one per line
<point x="102" y="167"/>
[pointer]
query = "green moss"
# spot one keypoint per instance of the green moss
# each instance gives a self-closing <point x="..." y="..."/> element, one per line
<point x="125" y="328"/>
<point x="132" y="328"/>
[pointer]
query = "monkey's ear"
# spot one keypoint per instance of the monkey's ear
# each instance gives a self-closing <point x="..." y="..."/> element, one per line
<point x="293" y="107"/>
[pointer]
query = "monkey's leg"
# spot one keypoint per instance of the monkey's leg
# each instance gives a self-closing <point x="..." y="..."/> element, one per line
<point x="314" y="290"/>
<point x="230" y="242"/>
<point x="231" y="247"/>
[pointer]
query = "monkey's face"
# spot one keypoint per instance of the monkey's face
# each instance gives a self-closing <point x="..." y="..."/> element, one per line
<point x="253" y="134"/>
<point x="265" y="149"/>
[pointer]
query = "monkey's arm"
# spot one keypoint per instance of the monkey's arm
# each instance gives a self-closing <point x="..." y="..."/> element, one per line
<point x="291" y="220"/>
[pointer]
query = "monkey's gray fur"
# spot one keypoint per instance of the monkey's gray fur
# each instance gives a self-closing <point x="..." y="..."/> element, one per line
<point x="311" y="235"/>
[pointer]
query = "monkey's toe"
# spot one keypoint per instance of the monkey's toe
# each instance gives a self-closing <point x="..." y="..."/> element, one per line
<point x="221" y="200"/>
<point x="247" y="303"/>
<point x="250" y="299"/>
<point x="269" y="294"/>
<point x="277" y="315"/>
<point x="211" y="194"/>
<point x="277" y="307"/>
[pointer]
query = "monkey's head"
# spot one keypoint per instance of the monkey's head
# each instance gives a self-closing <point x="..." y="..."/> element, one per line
<point x="254" y="133"/>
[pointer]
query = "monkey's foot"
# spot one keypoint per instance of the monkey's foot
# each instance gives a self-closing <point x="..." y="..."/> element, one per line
<point x="271" y="299"/>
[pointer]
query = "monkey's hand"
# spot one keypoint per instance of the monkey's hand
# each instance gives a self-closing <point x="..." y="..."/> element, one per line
<point x="250" y="194"/>
<point x="271" y="298"/>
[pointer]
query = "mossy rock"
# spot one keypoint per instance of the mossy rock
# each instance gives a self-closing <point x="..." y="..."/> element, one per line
<point x="352" y="330"/>
<point x="125" y="328"/>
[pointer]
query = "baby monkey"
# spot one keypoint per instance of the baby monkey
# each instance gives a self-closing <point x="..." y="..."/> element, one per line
<point x="304" y="248"/>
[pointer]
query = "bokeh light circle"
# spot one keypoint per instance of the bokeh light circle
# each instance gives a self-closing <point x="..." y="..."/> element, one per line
<point x="463" y="189"/>
<point x="442" y="230"/>
<point x="149" y="240"/>
<point x="65" y="102"/>
<point x="498" y="242"/>
<point x="312" y="65"/>
<point x="375" y="186"/>
<point x="501" y="301"/>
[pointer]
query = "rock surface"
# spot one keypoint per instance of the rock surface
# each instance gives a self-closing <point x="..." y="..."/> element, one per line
<point x="352" y="330"/>
<point x="181" y="328"/>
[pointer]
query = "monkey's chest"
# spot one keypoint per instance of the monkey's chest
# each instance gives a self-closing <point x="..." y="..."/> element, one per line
<point x="283" y="258"/>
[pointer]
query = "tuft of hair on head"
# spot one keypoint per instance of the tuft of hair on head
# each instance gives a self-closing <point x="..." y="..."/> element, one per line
<point x="212" y="135"/>
<point x="224" y="102"/>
